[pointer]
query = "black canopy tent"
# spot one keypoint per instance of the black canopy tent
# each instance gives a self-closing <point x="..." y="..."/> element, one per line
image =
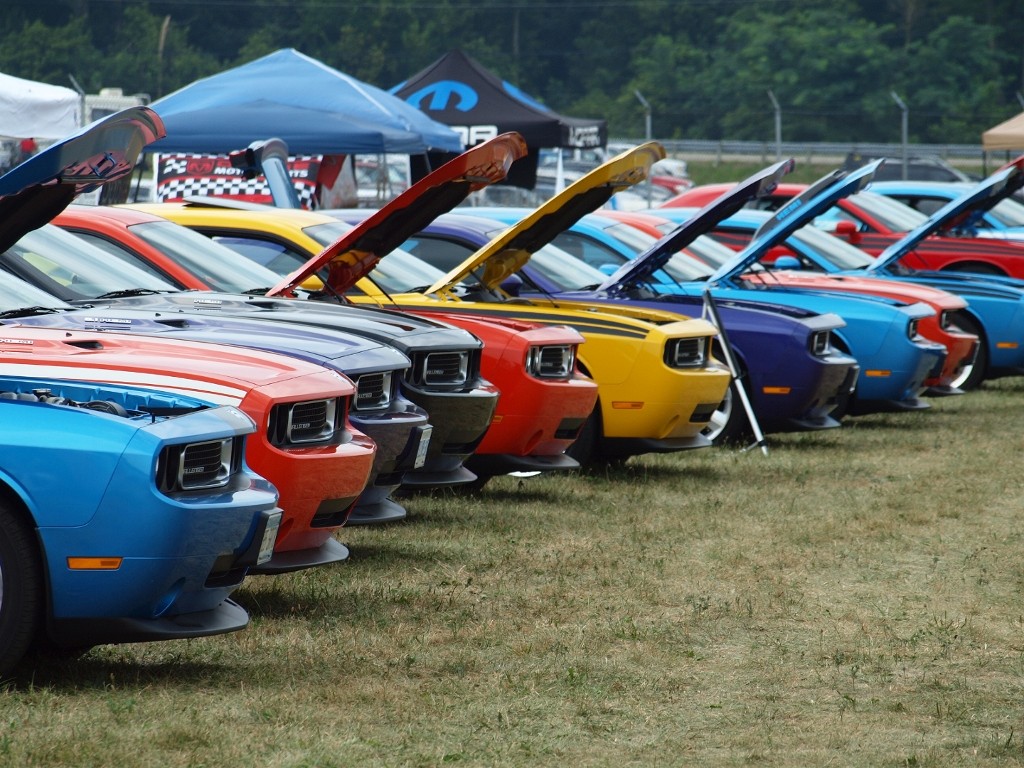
<point x="459" y="92"/>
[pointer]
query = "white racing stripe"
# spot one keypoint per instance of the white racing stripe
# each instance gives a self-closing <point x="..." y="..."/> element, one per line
<point x="218" y="394"/>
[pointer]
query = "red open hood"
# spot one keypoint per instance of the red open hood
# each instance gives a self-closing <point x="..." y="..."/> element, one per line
<point x="353" y="255"/>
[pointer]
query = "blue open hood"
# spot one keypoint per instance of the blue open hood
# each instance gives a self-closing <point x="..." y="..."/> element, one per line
<point x="819" y="197"/>
<point x="958" y="212"/>
<point x="641" y="268"/>
<point x="32" y="193"/>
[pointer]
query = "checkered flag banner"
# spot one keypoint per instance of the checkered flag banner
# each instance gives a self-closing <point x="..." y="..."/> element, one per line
<point x="182" y="176"/>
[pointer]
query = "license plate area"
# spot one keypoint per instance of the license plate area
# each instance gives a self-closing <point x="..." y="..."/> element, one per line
<point x="269" y="538"/>
<point x="424" y="445"/>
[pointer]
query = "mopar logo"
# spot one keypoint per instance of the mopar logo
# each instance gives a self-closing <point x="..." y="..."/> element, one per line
<point x="436" y="371"/>
<point x="442" y="93"/>
<point x="475" y="134"/>
<point x="193" y="470"/>
<point x="303" y="425"/>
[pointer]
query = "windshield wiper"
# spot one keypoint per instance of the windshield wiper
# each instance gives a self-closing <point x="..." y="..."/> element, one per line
<point x="29" y="311"/>
<point x="126" y="292"/>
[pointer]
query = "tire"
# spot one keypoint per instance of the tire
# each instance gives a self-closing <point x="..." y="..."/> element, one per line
<point x="21" y="588"/>
<point x="729" y="423"/>
<point x="974" y="374"/>
<point x="975" y="268"/>
<point x="584" y="449"/>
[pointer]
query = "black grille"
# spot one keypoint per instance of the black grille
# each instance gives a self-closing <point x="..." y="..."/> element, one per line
<point x="551" y="362"/>
<point x="703" y="412"/>
<point x="569" y="429"/>
<point x="373" y="390"/>
<point x="198" y="465"/>
<point x="312" y="421"/>
<point x="442" y="368"/>
<point x="685" y="353"/>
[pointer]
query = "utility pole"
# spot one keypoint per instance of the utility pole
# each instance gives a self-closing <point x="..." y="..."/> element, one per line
<point x="778" y="125"/>
<point x="647" y="135"/>
<point x="904" y="124"/>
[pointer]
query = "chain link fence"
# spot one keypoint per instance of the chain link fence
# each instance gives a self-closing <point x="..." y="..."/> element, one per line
<point x="967" y="157"/>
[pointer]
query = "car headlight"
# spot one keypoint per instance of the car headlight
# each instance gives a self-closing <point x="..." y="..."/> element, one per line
<point x="195" y="466"/>
<point x="912" y="329"/>
<point x="945" y="319"/>
<point x="687" y="353"/>
<point x="373" y="391"/>
<point x="551" y="361"/>
<point x="821" y="343"/>
<point x="309" y="421"/>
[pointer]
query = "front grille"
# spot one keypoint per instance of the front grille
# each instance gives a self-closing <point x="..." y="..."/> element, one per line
<point x="373" y="391"/>
<point x="686" y="353"/>
<point x="304" y="423"/>
<point x="441" y="368"/>
<point x="569" y="429"/>
<point x="196" y="466"/>
<point x="821" y="343"/>
<point x="552" y="361"/>
<point x="703" y="413"/>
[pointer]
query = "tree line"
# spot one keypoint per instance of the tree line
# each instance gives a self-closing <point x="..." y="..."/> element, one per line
<point x="836" y="70"/>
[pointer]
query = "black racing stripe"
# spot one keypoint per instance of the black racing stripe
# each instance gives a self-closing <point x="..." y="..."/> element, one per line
<point x="597" y="325"/>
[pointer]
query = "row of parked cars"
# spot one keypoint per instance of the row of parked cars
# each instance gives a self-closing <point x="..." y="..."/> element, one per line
<point x="194" y="393"/>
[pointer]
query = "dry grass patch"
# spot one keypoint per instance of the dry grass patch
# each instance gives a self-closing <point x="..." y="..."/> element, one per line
<point x="851" y="599"/>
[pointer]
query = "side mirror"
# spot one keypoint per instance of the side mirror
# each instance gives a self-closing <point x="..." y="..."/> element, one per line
<point x="847" y="230"/>
<point x="787" y="262"/>
<point x="512" y="285"/>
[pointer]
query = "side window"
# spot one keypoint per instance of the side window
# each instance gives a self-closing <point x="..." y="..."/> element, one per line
<point x="116" y="250"/>
<point x="442" y="254"/>
<point x="926" y="205"/>
<point x="277" y="257"/>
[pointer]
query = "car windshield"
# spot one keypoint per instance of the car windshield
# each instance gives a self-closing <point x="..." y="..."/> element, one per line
<point x="69" y="267"/>
<point x="1009" y="213"/>
<point x="16" y="294"/>
<point x="401" y="272"/>
<point x="699" y="261"/>
<point x="892" y="213"/>
<point x="328" y="232"/>
<point x="635" y="239"/>
<point x="220" y="267"/>
<point x="565" y="270"/>
<point x="834" y="250"/>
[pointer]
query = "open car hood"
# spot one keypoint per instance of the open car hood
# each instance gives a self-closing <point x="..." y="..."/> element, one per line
<point x="506" y="253"/>
<point x="818" y="197"/>
<point x="960" y="212"/>
<point x="32" y="193"/>
<point x="641" y="268"/>
<point x="354" y="255"/>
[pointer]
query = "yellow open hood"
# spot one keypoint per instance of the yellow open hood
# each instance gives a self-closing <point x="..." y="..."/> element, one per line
<point x="507" y="252"/>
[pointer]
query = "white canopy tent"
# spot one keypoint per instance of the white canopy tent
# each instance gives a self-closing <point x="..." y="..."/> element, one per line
<point x="36" y="110"/>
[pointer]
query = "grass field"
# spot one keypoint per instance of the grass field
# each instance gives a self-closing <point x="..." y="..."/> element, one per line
<point x="853" y="598"/>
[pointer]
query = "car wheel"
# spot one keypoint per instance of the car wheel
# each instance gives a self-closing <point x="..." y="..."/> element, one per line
<point x="729" y="422"/>
<point x="584" y="448"/>
<point x="973" y="374"/>
<point x="21" y="588"/>
<point x="974" y="268"/>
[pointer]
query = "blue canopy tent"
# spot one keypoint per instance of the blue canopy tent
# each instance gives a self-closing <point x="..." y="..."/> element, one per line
<point x="315" y="109"/>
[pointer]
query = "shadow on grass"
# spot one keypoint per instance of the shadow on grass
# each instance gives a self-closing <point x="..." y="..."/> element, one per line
<point x="96" y="673"/>
<point x="917" y="421"/>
